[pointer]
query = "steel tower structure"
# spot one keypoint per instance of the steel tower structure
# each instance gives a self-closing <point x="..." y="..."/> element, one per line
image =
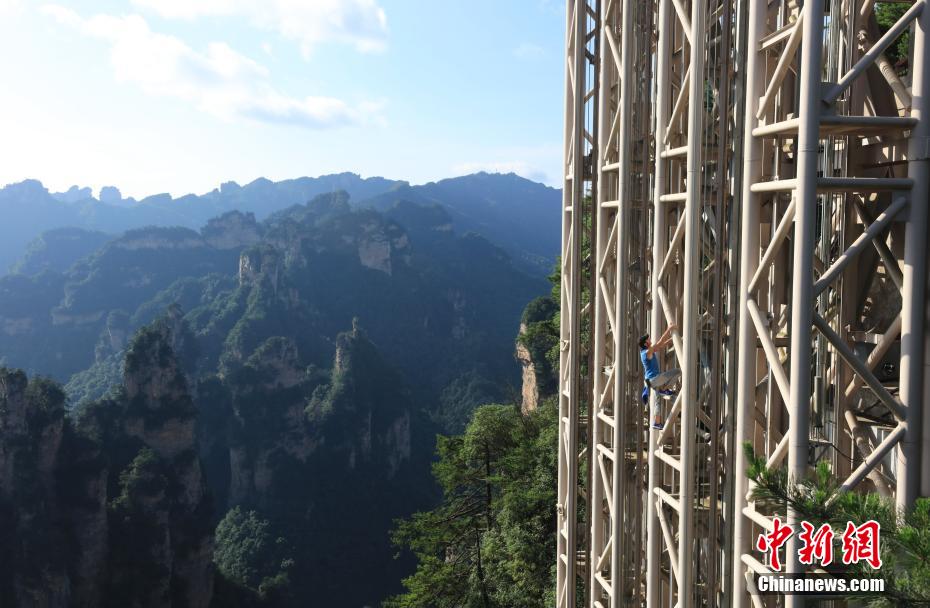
<point x="755" y="173"/>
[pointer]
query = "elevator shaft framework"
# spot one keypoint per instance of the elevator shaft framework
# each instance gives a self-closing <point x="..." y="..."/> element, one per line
<point x="703" y="139"/>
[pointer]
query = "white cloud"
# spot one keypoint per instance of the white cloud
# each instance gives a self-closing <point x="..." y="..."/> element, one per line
<point x="360" y="23"/>
<point x="10" y="7"/>
<point x="190" y="9"/>
<point x="528" y="50"/>
<point x="219" y="81"/>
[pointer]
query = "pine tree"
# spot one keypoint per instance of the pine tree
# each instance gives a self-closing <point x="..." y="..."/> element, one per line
<point x="905" y="536"/>
<point x="489" y="544"/>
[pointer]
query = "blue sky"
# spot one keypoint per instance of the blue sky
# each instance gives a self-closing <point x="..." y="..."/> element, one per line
<point x="180" y="95"/>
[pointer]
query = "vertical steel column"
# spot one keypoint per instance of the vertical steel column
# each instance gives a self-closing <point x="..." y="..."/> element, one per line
<point x="622" y="344"/>
<point x="749" y="261"/>
<point x="691" y="310"/>
<point x="802" y="297"/>
<point x="569" y="371"/>
<point x="659" y="249"/>
<point x="913" y="309"/>
<point x="601" y="493"/>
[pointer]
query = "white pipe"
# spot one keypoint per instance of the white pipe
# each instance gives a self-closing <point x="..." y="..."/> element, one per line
<point x="802" y="296"/>
<point x="659" y="240"/>
<point x="691" y="310"/>
<point x="913" y="332"/>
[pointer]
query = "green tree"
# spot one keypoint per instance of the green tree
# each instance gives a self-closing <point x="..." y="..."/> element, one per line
<point x="247" y="553"/>
<point x="887" y="14"/>
<point x="905" y="539"/>
<point x="487" y="545"/>
<point x="541" y="338"/>
<point x="138" y="535"/>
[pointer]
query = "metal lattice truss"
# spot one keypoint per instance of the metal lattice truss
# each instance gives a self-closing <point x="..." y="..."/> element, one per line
<point x="689" y="272"/>
<point x="759" y="178"/>
<point x="619" y="450"/>
<point x="578" y="188"/>
<point x="828" y="160"/>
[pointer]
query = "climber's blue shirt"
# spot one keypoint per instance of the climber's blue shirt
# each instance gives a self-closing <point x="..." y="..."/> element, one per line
<point x="650" y="366"/>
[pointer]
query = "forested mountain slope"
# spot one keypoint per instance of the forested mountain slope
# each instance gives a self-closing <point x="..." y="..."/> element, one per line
<point x="248" y="406"/>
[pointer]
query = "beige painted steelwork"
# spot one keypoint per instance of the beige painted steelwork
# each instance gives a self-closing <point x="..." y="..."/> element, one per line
<point x="618" y="441"/>
<point x="578" y="192"/>
<point x="759" y="178"/>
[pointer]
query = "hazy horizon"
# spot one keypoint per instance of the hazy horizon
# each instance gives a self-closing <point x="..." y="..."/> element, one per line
<point x="95" y="190"/>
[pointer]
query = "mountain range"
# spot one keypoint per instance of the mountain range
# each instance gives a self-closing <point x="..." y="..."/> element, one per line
<point x="517" y="214"/>
<point x="235" y="414"/>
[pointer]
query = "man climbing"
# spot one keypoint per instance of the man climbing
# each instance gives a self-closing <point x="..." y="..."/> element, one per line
<point x="659" y="381"/>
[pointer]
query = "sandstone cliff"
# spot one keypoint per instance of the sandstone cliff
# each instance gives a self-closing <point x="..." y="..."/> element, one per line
<point x="110" y="508"/>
